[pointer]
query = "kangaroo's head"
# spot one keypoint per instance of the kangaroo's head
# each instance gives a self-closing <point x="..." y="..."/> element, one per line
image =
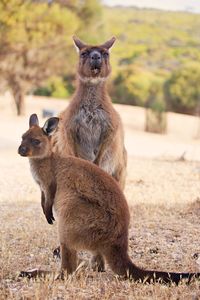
<point x="93" y="60"/>
<point x="36" y="140"/>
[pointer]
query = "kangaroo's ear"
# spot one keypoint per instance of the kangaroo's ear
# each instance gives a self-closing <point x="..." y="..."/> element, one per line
<point x="33" y="120"/>
<point x="50" y="125"/>
<point x="78" y="43"/>
<point x="109" y="43"/>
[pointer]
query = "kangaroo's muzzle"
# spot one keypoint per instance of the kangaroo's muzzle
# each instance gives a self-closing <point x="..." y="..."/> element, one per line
<point x="23" y="150"/>
<point x="95" y="60"/>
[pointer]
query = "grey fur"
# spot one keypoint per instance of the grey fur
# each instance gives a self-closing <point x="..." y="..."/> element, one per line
<point x="89" y="126"/>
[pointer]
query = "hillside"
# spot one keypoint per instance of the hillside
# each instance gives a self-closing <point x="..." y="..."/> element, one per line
<point x="156" y="40"/>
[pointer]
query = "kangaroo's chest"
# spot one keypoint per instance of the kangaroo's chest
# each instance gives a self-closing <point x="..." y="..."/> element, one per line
<point x="89" y="126"/>
<point x="90" y="123"/>
<point x="41" y="172"/>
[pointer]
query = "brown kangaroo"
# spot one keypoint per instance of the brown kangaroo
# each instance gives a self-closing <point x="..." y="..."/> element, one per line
<point x="92" y="211"/>
<point x="90" y="127"/>
<point x="38" y="148"/>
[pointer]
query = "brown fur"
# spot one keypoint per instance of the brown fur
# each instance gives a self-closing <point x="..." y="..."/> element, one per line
<point x="90" y="127"/>
<point x="93" y="215"/>
<point x="36" y="144"/>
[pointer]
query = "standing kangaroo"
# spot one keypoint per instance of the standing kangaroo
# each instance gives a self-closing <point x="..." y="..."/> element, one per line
<point x="39" y="152"/>
<point x="90" y="127"/>
<point x="92" y="211"/>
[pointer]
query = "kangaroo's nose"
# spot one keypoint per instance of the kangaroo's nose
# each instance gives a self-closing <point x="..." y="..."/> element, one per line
<point x="95" y="59"/>
<point x="95" y="55"/>
<point x="22" y="150"/>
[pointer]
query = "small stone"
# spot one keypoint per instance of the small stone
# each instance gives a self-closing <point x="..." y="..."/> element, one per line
<point x="154" y="250"/>
<point x="195" y="256"/>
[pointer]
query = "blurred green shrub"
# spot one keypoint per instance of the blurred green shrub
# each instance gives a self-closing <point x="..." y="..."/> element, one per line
<point x="55" y="87"/>
<point x="183" y="88"/>
<point x="131" y="86"/>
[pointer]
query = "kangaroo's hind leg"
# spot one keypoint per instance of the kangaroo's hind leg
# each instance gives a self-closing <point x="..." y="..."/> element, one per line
<point x="68" y="259"/>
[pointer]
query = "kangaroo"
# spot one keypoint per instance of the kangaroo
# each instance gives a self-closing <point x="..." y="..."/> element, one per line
<point x="35" y="146"/>
<point x="90" y="128"/>
<point x="92" y="211"/>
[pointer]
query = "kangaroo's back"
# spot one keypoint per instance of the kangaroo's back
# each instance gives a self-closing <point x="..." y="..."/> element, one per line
<point x="88" y="180"/>
<point x="92" y="211"/>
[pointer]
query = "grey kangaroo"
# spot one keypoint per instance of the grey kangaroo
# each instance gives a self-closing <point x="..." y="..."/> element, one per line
<point x="90" y="127"/>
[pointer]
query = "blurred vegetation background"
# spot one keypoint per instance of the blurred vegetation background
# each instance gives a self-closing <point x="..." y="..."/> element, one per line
<point x="155" y="61"/>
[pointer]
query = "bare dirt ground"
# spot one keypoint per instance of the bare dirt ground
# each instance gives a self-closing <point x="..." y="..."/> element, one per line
<point x="164" y="198"/>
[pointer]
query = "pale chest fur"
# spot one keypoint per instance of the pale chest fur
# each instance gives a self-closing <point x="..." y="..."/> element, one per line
<point x="41" y="172"/>
<point x="89" y="126"/>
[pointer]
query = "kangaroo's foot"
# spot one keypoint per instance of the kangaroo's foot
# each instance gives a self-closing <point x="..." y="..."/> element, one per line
<point x="97" y="263"/>
<point x="34" y="273"/>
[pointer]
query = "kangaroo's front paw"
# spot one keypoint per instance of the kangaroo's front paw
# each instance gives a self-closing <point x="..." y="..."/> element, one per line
<point x="50" y="219"/>
<point x="49" y="215"/>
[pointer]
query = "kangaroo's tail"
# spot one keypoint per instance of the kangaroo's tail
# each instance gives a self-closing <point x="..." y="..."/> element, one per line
<point x="158" y="276"/>
<point x="121" y="264"/>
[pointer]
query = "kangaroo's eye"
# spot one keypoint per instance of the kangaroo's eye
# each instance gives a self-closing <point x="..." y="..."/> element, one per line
<point x="84" y="54"/>
<point x="35" y="142"/>
<point x="105" y="54"/>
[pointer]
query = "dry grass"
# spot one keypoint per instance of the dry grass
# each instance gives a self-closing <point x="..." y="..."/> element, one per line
<point x="164" y="232"/>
